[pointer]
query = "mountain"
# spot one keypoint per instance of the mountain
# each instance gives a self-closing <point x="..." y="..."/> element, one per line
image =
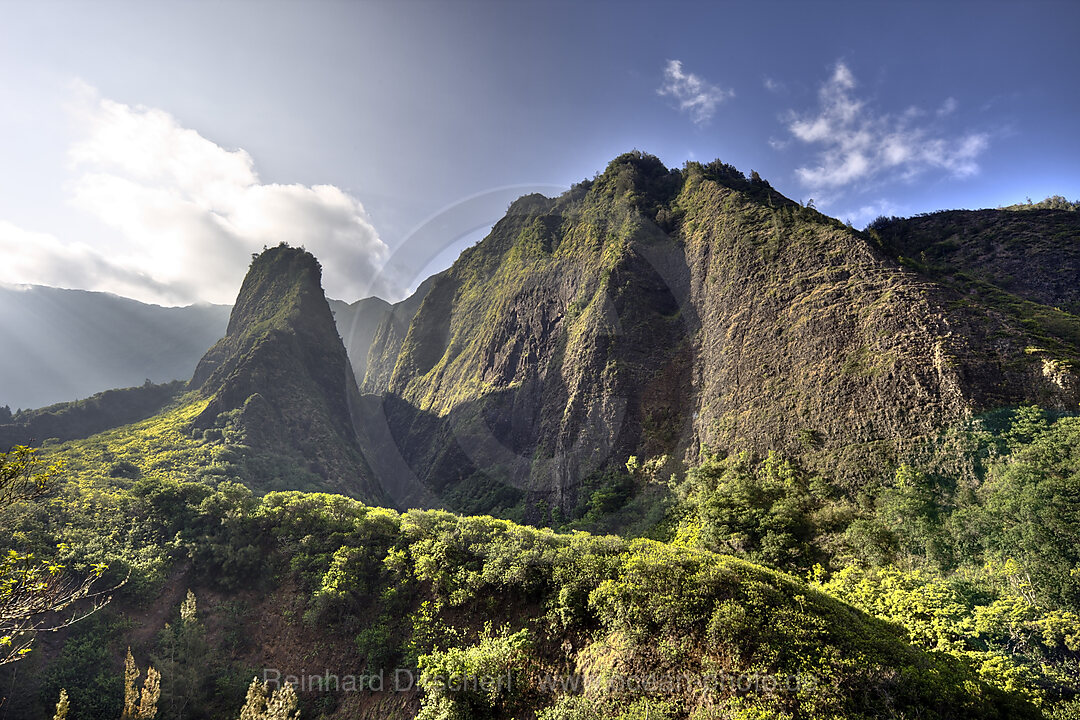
<point x="1031" y="255"/>
<point x="655" y="313"/>
<point x="356" y="324"/>
<point x="668" y="314"/>
<point x="360" y="322"/>
<point x="283" y="297"/>
<point x="60" y="345"/>
<point x="280" y="380"/>
<point x="738" y="385"/>
<point x="69" y="344"/>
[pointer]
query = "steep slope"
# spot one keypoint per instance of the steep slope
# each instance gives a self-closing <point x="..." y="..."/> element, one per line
<point x="1031" y="254"/>
<point x="280" y="380"/>
<point x="60" y="345"/>
<point x="360" y="322"/>
<point x="657" y="313"/>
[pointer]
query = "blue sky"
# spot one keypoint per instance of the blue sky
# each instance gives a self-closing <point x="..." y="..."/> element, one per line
<point x="148" y="148"/>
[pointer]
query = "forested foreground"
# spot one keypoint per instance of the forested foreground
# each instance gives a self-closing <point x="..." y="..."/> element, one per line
<point x="949" y="589"/>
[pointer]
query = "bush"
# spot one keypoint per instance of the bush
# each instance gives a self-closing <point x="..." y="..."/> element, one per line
<point x="484" y="680"/>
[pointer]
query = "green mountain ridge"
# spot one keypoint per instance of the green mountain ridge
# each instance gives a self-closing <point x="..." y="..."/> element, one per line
<point x="664" y="314"/>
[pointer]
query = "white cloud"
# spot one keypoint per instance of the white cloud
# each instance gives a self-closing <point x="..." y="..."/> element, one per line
<point x="862" y="216"/>
<point x="948" y="107"/>
<point x="773" y="85"/>
<point x="190" y="212"/>
<point x="857" y="145"/>
<point x="36" y="258"/>
<point x="695" y="96"/>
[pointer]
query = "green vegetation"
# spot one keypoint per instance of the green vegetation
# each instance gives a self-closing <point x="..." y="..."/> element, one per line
<point x="34" y="588"/>
<point x="989" y="607"/>
<point x="982" y="568"/>
<point x="634" y="606"/>
<point x="768" y="513"/>
<point x="111" y="694"/>
<point x="1054" y="202"/>
<point x="889" y="557"/>
<point x="999" y="260"/>
<point x="82" y="418"/>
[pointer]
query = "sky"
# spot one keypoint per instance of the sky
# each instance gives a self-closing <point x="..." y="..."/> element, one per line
<point x="148" y="149"/>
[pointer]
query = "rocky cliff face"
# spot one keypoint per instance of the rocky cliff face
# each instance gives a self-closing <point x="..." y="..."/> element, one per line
<point x="356" y="323"/>
<point x="386" y="333"/>
<point x="669" y="313"/>
<point x="1031" y="254"/>
<point x="280" y="380"/>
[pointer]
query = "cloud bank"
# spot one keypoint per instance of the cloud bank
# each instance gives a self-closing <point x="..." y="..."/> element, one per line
<point x="695" y="96"/>
<point x="188" y="214"/>
<point x="856" y="144"/>
<point x="35" y="258"/>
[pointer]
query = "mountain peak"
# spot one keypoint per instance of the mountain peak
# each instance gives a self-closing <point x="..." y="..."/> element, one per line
<point x="278" y="278"/>
<point x="670" y="314"/>
<point x="280" y="379"/>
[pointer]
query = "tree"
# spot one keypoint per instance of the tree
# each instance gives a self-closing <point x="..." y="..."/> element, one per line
<point x="140" y="706"/>
<point x="184" y="659"/>
<point x="33" y="590"/>
<point x="280" y="705"/>
<point x="762" y="511"/>
<point x="61" y="706"/>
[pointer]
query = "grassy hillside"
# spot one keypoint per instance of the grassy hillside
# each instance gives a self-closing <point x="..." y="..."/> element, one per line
<point x="169" y="445"/>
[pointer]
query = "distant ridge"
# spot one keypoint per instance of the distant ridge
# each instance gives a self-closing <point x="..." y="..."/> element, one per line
<point x="360" y="322"/>
<point x="62" y="345"/>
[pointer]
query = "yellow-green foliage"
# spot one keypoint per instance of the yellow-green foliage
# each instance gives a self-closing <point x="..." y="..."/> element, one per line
<point x="426" y="583"/>
<point x="477" y="681"/>
<point x="1011" y="641"/>
<point x="638" y="607"/>
<point x="421" y="584"/>
<point x="161" y="447"/>
<point x="981" y="569"/>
